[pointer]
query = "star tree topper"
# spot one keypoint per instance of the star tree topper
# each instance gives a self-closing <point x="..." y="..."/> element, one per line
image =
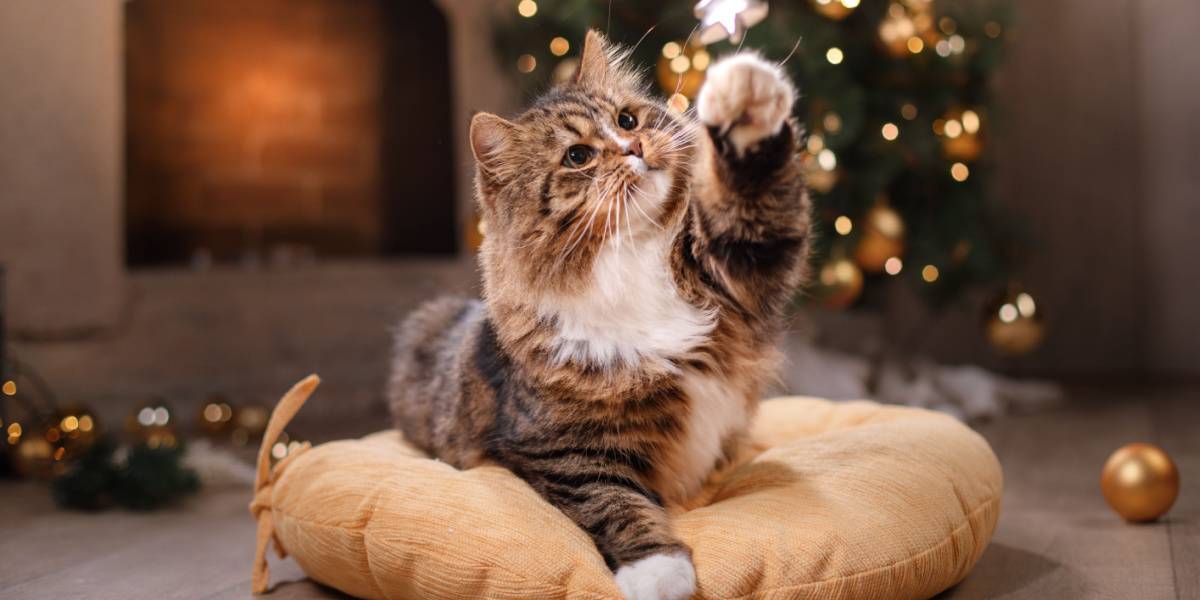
<point x="720" y="19"/>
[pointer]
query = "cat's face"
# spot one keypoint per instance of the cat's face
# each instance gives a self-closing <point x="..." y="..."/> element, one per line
<point x="595" y="163"/>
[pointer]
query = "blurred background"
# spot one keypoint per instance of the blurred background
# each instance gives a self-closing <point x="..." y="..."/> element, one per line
<point x="209" y="197"/>
<point x="202" y="201"/>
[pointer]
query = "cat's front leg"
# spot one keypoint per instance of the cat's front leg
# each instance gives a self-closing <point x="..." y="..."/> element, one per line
<point x="630" y="529"/>
<point x="748" y="231"/>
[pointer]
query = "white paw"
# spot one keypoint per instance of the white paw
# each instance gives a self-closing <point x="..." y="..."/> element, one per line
<point x="746" y="96"/>
<point x="658" y="577"/>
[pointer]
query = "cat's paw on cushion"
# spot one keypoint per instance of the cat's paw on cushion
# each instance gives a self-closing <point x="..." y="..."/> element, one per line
<point x="658" y="577"/>
<point x="745" y="97"/>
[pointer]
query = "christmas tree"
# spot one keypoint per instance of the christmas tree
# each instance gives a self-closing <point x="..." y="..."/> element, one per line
<point x="894" y="96"/>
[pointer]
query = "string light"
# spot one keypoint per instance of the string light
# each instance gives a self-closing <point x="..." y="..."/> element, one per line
<point x="827" y="160"/>
<point x="930" y="273"/>
<point x="680" y="64"/>
<point x="953" y="128"/>
<point x="850" y="3"/>
<point x="9" y="388"/>
<point x="890" y="132"/>
<point x="832" y="122"/>
<point x="893" y="265"/>
<point x="527" y="8"/>
<point x="970" y="121"/>
<point x="942" y="48"/>
<point x="947" y="25"/>
<point x="526" y="63"/>
<point x="843" y="225"/>
<point x="816" y="143"/>
<point x="700" y="60"/>
<point x="959" y="172"/>
<point x="915" y="45"/>
<point x="957" y="44"/>
<point x="834" y="55"/>
<point x="678" y="103"/>
<point x="671" y="50"/>
<point x="559" y="46"/>
<point x="908" y="111"/>
<point x="1025" y="305"/>
<point x="1008" y="313"/>
<point x="992" y="29"/>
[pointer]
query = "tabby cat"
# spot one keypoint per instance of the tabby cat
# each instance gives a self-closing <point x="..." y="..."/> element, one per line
<point x="635" y="269"/>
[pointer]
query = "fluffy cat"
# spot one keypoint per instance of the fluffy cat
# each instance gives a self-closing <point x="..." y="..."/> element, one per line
<point x="635" y="269"/>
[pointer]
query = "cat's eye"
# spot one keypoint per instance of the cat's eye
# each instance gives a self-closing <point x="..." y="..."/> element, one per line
<point x="577" y="155"/>
<point x="626" y="121"/>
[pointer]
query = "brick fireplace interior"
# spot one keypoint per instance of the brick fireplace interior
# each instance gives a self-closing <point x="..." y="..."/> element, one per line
<point x="322" y="126"/>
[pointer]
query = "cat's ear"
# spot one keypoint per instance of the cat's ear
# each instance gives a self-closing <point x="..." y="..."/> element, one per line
<point x="594" y="65"/>
<point x="490" y="138"/>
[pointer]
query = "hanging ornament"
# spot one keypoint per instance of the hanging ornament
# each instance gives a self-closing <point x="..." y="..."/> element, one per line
<point x="721" y="19"/>
<point x="152" y="424"/>
<point x="882" y="238"/>
<point x="834" y="9"/>
<point x="959" y="131"/>
<point x="249" y="424"/>
<point x="1140" y="482"/>
<point x="77" y="427"/>
<point x="1013" y="322"/>
<point x="819" y="164"/>
<point x="216" y="416"/>
<point x="840" y="282"/>
<point x="681" y="68"/>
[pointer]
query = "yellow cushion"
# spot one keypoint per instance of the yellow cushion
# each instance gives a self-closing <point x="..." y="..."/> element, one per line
<point x="848" y="500"/>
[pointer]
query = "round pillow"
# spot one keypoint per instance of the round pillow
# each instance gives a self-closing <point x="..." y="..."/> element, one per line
<point x="845" y="500"/>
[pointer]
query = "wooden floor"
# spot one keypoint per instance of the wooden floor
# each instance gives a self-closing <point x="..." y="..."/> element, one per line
<point x="1056" y="537"/>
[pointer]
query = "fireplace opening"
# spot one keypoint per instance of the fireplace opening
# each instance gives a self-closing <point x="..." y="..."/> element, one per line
<point x="318" y="127"/>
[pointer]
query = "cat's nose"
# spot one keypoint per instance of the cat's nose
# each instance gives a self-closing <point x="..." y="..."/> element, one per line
<point x="634" y="148"/>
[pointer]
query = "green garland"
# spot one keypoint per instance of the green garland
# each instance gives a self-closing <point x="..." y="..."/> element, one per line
<point x="145" y="479"/>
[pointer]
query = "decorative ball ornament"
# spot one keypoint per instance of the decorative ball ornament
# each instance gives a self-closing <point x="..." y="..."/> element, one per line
<point x="882" y="238"/>
<point x="959" y="131"/>
<point x="681" y="68"/>
<point x="1013" y="323"/>
<point x="721" y="19"/>
<point x="1140" y="482"/>
<point x="841" y="282"/>
<point x="834" y="9"/>
<point x="34" y="456"/>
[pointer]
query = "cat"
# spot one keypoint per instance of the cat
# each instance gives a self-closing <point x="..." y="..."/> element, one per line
<point x="635" y="270"/>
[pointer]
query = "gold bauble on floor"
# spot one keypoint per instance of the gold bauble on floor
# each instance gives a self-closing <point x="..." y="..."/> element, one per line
<point x="1140" y="482"/>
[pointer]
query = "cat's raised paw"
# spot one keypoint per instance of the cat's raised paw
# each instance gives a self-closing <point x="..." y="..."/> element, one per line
<point x="745" y="97"/>
<point x="658" y="577"/>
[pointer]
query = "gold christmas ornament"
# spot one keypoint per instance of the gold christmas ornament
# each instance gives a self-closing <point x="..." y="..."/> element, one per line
<point x="882" y="238"/>
<point x="681" y="68"/>
<point x="1140" y="482"/>
<point x="1013" y="322"/>
<point x="834" y="9"/>
<point x="840" y="282"/>
<point x="959" y="131"/>
<point x="216" y="416"/>
<point x="34" y="456"/>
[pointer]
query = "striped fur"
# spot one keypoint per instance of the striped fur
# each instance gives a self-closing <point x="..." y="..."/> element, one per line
<point x="631" y="304"/>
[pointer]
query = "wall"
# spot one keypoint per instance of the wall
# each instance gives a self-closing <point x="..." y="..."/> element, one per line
<point x="1169" y="84"/>
<point x="60" y="132"/>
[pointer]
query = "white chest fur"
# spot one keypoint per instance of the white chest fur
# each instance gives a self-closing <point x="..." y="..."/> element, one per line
<point x="717" y="408"/>
<point x="630" y="312"/>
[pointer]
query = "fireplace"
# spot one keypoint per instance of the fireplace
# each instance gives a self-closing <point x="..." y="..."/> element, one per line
<point x="314" y="126"/>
